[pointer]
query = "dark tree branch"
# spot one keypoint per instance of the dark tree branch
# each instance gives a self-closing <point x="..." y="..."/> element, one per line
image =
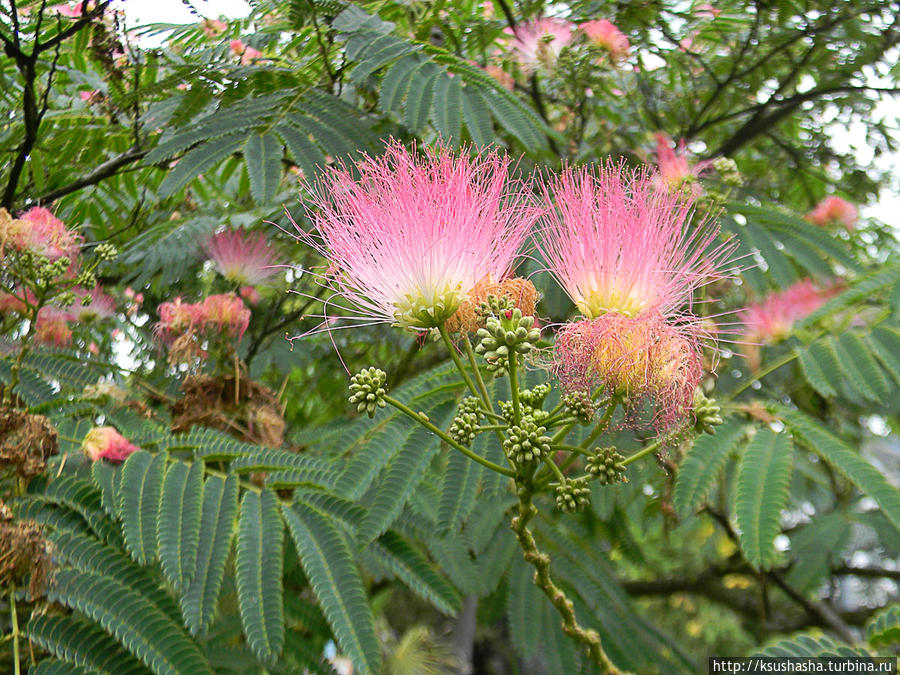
<point x="102" y="172"/>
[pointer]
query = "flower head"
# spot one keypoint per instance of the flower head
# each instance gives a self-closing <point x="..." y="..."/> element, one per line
<point x="177" y="317"/>
<point x="773" y="318"/>
<point x="833" y="210"/>
<point x="106" y="443"/>
<point x="52" y="327"/>
<point x="616" y="243"/>
<point x="539" y="42"/>
<point x="226" y="313"/>
<point x="413" y="235"/>
<point x="604" y="34"/>
<point x="248" y="54"/>
<point x="242" y="257"/>
<point x="644" y="357"/>
<point x="40" y="232"/>
<point x="674" y="169"/>
<point x="99" y="305"/>
<point x="213" y="27"/>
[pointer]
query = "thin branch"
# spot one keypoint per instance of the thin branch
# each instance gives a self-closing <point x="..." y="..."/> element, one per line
<point x="106" y="170"/>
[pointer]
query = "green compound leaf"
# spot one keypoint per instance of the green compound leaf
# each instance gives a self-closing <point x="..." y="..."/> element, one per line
<point x="763" y="480"/>
<point x="139" y="498"/>
<point x="700" y="467"/>
<point x="178" y="529"/>
<point x="335" y="579"/>
<point x="260" y="548"/>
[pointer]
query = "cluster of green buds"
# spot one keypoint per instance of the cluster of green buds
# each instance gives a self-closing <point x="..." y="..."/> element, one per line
<point x="707" y="413"/>
<point x="506" y="334"/>
<point x="45" y="270"/>
<point x="573" y="495"/>
<point x="507" y="409"/>
<point x="106" y="252"/>
<point x="579" y="405"/>
<point x="367" y="390"/>
<point x="464" y="426"/>
<point x="526" y="442"/>
<point x="607" y="466"/>
<point x="534" y="397"/>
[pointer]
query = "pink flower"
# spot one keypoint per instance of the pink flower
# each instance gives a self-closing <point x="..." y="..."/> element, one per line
<point x="106" y="443"/>
<point x="90" y="96"/>
<point x="539" y="41"/>
<point x="833" y="210"/>
<point x="242" y="257"/>
<point x="674" y="169"/>
<point x="247" y="54"/>
<point x="773" y="318"/>
<point x="213" y="27"/>
<point x="40" y="232"/>
<point x="226" y="313"/>
<point x="100" y="305"/>
<point x="12" y="303"/>
<point x="604" y="34"/>
<point x="178" y="318"/>
<point x="72" y="12"/>
<point x="616" y="243"/>
<point x="642" y="358"/>
<point x="249" y="294"/>
<point x="409" y="239"/>
<point x="52" y="327"/>
<point x="706" y="11"/>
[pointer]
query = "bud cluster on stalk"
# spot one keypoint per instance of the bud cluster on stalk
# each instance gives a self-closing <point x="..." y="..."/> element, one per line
<point x="573" y="495"/>
<point x="607" y="466"/>
<point x="367" y="390"/>
<point x="506" y="334"/>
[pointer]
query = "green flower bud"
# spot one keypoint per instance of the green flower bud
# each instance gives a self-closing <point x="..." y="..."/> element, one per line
<point x="606" y="466"/>
<point x="707" y="413"/>
<point x="527" y="442"/>
<point x="106" y="252"/>
<point x="579" y="406"/>
<point x="367" y="390"/>
<point x="573" y="495"/>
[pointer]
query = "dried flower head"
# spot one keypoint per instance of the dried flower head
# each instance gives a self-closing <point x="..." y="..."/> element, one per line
<point x="638" y="358"/>
<point x="616" y="243"/>
<point x="106" y="443"/>
<point x="539" y="41"/>
<point x="226" y="313"/>
<point x="604" y="34"/>
<point x="412" y="236"/>
<point x="242" y="257"/>
<point x="833" y="210"/>
<point x="468" y="318"/>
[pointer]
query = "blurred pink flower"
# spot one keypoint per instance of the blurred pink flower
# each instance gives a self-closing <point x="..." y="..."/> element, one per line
<point x="213" y="27"/>
<point x="249" y="294"/>
<point x="52" y="328"/>
<point x="177" y="317"/>
<point x="90" y="96"/>
<point x="47" y="235"/>
<point x="501" y="76"/>
<point x="247" y="53"/>
<point x="706" y="11"/>
<point x="414" y="234"/>
<point x="100" y="306"/>
<point x="226" y="313"/>
<point x="674" y="168"/>
<point x="242" y="257"/>
<point x="833" y="210"/>
<point x="606" y="35"/>
<point x="67" y="10"/>
<point x="539" y="41"/>
<point x="107" y="443"/>
<point x="773" y="318"/>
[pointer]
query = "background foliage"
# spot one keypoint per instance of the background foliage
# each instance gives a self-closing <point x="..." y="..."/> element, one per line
<point x="214" y="550"/>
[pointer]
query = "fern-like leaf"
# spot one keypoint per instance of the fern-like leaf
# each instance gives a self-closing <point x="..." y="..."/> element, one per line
<point x="143" y="629"/>
<point x="700" y="467"/>
<point x="763" y="479"/>
<point x="863" y="372"/>
<point x="883" y="630"/>
<point x="178" y="527"/>
<point x="139" y="496"/>
<point x="335" y="580"/>
<point x="262" y="155"/>
<point x="260" y="548"/>
<point x="198" y="604"/>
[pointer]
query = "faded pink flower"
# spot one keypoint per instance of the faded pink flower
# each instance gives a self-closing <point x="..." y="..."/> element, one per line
<point x="604" y="34"/>
<point x="100" y="305"/>
<point x="409" y="238"/>
<point x="242" y="257"/>
<point x="249" y="294"/>
<point x="773" y="318"/>
<point x="67" y="10"/>
<point x="674" y="169"/>
<point x="642" y="358"/>
<point x="12" y="303"/>
<point x="833" y="210"/>
<point x="39" y="231"/>
<point x="107" y="443"/>
<point x="706" y="11"/>
<point x="52" y="327"/>
<point x="226" y="313"/>
<point x="90" y="96"/>
<point x="539" y="42"/>
<point x="247" y="53"/>
<point x="616" y="243"/>
<point x="213" y="27"/>
<point x="177" y="317"/>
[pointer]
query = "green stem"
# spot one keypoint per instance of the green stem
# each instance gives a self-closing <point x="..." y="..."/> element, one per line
<point x="761" y="374"/>
<point x="653" y="447"/>
<point x="603" y="424"/>
<point x="588" y="638"/>
<point x="470" y="353"/>
<point x="459" y="364"/>
<point x="555" y="469"/>
<point x="573" y="448"/>
<point x="14" y="619"/>
<point x="491" y="427"/>
<point x="425" y="422"/>
<point x="514" y="386"/>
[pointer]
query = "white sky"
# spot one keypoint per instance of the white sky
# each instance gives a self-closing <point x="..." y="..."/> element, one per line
<point x="139" y="12"/>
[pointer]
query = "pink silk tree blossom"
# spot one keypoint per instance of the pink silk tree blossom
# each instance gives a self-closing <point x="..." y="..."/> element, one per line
<point x="107" y="443"/>
<point x="774" y="317"/>
<point x="539" y="42"/>
<point x="604" y="34"/>
<point x="409" y="238"/>
<point x="242" y="257"/>
<point x="833" y="210"/>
